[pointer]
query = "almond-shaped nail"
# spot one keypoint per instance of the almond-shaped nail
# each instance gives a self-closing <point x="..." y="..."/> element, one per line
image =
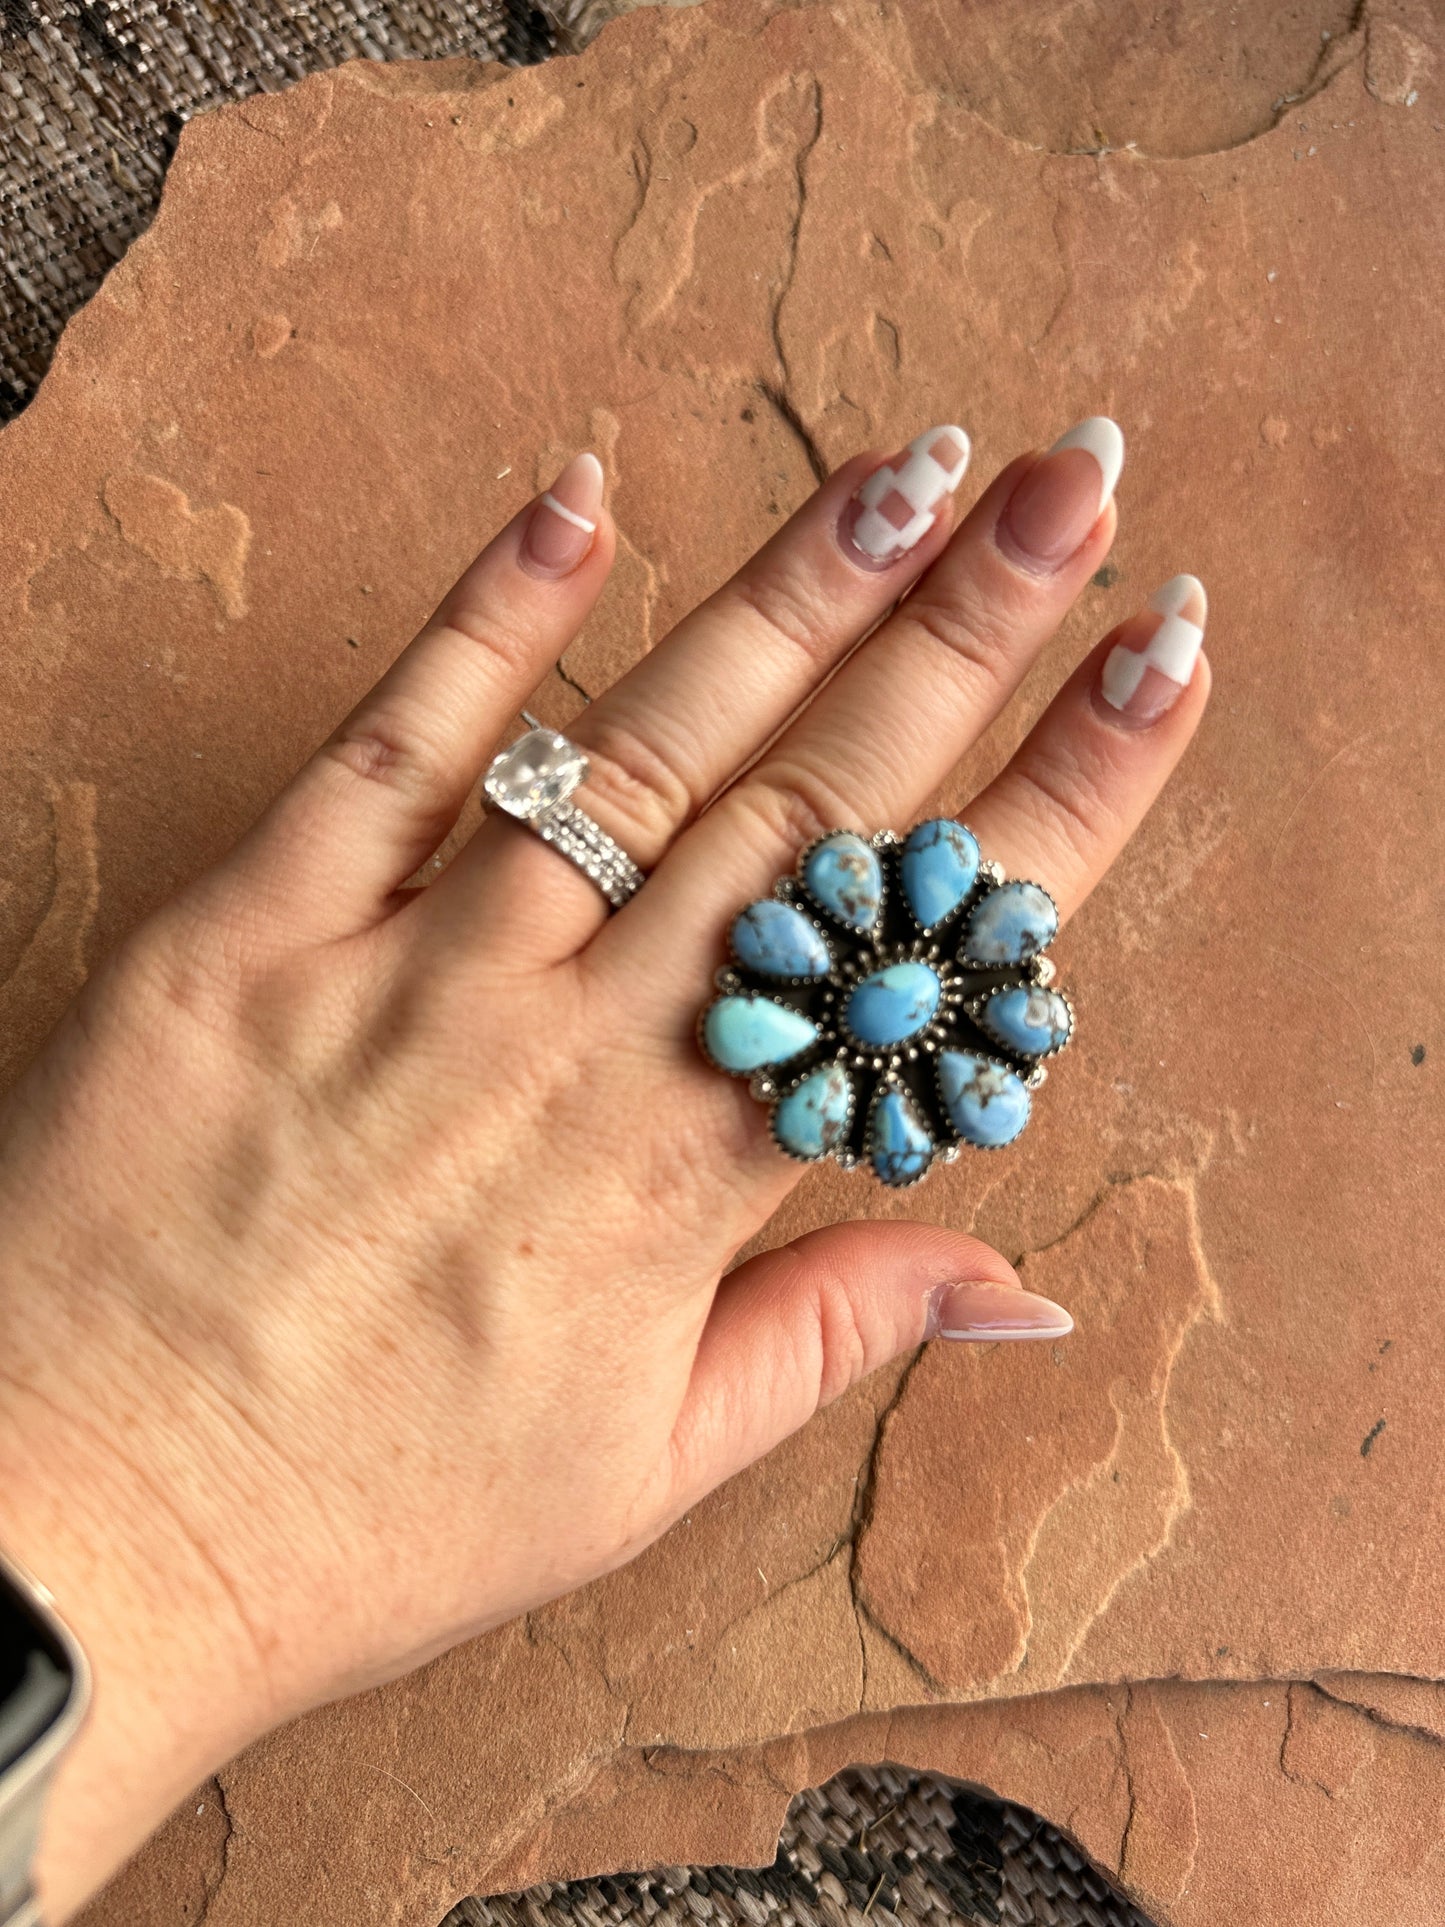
<point x="986" y="1313"/>
<point x="1150" y="665"/>
<point x="564" y="519"/>
<point x="1062" y="496"/>
<point x="892" y="511"/>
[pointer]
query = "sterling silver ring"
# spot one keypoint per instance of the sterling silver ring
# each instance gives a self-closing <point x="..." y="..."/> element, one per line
<point x="533" y="780"/>
<point x="891" y="1002"/>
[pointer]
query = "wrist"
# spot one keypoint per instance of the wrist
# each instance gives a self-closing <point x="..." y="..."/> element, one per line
<point x="173" y="1687"/>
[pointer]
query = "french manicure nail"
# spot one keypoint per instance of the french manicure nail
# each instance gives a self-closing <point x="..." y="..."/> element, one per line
<point x="895" y="507"/>
<point x="1104" y="440"/>
<point x="1063" y="495"/>
<point x="1149" y="667"/>
<point x="564" y="519"/>
<point x="987" y="1312"/>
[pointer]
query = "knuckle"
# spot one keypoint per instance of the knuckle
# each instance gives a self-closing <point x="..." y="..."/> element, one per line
<point x="966" y="628"/>
<point x="844" y="1351"/>
<point x="641" y="778"/>
<point x="789" y="614"/>
<point x="1066" y="800"/>
<point x="787" y="805"/>
<point x="179" y="962"/>
<point x="391" y="745"/>
<point x="510" y="651"/>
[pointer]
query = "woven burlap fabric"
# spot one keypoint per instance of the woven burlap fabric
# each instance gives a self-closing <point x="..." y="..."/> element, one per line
<point x="878" y="1846"/>
<point x="94" y="93"/>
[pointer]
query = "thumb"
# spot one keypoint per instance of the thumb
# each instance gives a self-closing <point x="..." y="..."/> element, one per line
<point x="793" y="1328"/>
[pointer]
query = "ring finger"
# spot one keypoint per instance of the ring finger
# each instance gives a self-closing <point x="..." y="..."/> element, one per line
<point x="684" y="720"/>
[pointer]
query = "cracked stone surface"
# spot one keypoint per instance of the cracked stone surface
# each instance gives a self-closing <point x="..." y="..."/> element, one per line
<point x="1211" y="1803"/>
<point x="348" y="349"/>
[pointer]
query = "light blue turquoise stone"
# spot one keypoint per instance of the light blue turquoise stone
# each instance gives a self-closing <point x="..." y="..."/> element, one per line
<point x="939" y="867"/>
<point x="744" y="1033"/>
<point x="902" y="1148"/>
<point x="843" y="874"/>
<point x="1010" y="924"/>
<point x="986" y="1103"/>
<point x="893" y="1004"/>
<point x="778" y="941"/>
<point x="1027" y="1018"/>
<point x="812" y="1119"/>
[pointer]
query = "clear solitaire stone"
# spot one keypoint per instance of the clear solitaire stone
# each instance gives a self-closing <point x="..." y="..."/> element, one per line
<point x="539" y="771"/>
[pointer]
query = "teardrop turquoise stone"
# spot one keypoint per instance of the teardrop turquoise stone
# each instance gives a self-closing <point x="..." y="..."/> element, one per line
<point x="844" y="876"/>
<point x="1009" y="925"/>
<point x="812" y="1119"/>
<point x="1026" y="1018"/>
<point x="777" y="940"/>
<point x="986" y="1103"/>
<point x="893" y="1004"/>
<point x="902" y="1149"/>
<point x="744" y="1033"/>
<point x="939" y="867"/>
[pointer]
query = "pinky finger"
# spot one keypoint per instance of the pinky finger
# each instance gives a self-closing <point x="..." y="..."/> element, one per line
<point x="1084" y="777"/>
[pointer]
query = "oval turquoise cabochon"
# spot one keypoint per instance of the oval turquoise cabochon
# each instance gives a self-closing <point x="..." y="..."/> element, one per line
<point x="777" y="940"/>
<point x="938" y="868"/>
<point x="745" y="1033"/>
<point x="842" y="875"/>
<point x="893" y="1004"/>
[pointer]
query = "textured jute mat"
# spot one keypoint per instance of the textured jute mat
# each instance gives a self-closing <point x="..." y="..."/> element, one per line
<point x="878" y="1846"/>
<point x="93" y="96"/>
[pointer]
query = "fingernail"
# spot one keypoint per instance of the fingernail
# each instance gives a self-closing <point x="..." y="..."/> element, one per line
<point x="1150" y="665"/>
<point x="991" y="1312"/>
<point x="894" y="509"/>
<point x="564" y="520"/>
<point x="1063" y="495"/>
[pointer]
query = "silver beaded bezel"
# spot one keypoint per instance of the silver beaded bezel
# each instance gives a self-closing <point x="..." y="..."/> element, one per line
<point x="891" y="1082"/>
<point x="969" y="895"/>
<point x="883" y="840"/>
<point x="838" y="1152"/>
<point x="729" y="984"/>
<point x="856" y="952"/>
<point x="976" y="1005"/>
<point x="805" y="912"/>
<point x="986" y="1057"/>
<point x="976" y="903"/>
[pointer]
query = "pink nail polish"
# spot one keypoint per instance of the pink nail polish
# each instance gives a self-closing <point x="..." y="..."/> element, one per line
<point x="987" y="1313"/>
<point x="892" y="511"/>
<point x="1150" y="665"/>
<point x="564" y="519"/>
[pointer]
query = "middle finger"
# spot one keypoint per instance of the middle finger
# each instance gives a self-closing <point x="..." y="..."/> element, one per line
<point x="892" y="723"/>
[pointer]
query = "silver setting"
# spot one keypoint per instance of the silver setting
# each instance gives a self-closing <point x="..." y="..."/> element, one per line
<point x="1030" y="1082"/>
<point x="533" y="780"/>
<point x="972" y="899"/>
<point x="911" y="1067"/>
<point x="976" y="1007"/>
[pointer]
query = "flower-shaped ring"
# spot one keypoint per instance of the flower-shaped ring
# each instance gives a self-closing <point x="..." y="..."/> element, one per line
<point x="891" y="1002"/>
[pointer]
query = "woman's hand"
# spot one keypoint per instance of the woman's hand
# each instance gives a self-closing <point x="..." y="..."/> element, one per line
<point x="333" y="1209"/>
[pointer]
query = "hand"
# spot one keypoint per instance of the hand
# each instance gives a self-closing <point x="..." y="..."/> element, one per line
<point x="334" y="1208"/>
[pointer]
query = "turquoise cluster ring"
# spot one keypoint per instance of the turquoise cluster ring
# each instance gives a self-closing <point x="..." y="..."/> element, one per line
<point x="891" y="1002"/>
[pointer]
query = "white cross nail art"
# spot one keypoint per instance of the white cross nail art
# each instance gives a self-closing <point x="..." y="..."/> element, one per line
<point x="1172" y="649"/>
<point x="899" y="504"/>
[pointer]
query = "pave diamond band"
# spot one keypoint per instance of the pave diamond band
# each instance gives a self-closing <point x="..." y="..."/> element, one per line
<point x="533" y="779"/>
